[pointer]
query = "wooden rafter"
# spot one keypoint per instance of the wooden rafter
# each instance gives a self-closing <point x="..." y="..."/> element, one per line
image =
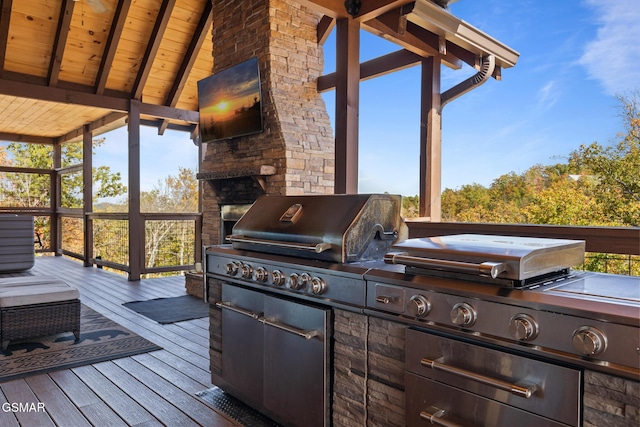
<point x="93" y="126"/>
<point x="189" y="59"/>
<point x="372" y="9"/>
<point x="60" y="42"/>
<point x="394" y="61"/>
<point x="4" y="31"/>
<point x="424" y="44"/>
<point x="324" y="28"/>
<point x="152" y="48"/>
<point x="117" y="26"/>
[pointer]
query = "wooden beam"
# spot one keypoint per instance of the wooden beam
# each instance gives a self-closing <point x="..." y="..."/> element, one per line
<point x="324" y="27"/>
<point x="373" y="8"/>
<point x="191" y="129"/>
<point x="430" y="140"/>
<point x="452" y="51"/>
<point x="190" y="56"/>
<point x="117" y="26"/>
<point x="4" y="31"/>
<point x="391" y="62"/>
<point x="136" y="225"/>
<point x="333" y="8"/>
<point x="87" y="193"/>
<point x="164" y="112"/>
<point x="53" y="94"/>
<point x="14" y="137"/>
<point x="425" y="44"/>
<point x="64" y="23"/>
<point x="152" y="48"/>
<point x="55" y="223"/>
<point x="369" y="9"/>
<point x="93" y="126"/>
<point x="44" y="93"/>
<point x="347" y="106"/>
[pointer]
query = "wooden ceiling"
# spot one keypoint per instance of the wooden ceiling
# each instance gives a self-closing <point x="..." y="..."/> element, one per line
<point x="65" y="64"/>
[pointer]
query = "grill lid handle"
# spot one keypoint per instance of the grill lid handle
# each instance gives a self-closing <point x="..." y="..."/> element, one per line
<point x="488" y="268"/>
<point x="314" y="247"/>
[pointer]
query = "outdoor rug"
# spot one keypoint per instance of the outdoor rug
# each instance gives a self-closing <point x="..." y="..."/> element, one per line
<point x="170" y="310"/>
<point x="101" y="339"/>
<point x="235" y="409"/>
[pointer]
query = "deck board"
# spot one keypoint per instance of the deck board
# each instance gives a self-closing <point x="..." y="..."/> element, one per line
<point x="155" y="388"/>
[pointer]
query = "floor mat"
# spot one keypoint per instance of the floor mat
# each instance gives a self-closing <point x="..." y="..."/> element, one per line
<point x="235" y="409"/>
<point x="101" y="339"/>
<point x="171" y="310"/>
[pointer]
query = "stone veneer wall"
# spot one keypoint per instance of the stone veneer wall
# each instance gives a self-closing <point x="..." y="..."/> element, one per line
<point x="297" y="138"/>
<point x="610" y="401"/>
<point x="368" y="382"/>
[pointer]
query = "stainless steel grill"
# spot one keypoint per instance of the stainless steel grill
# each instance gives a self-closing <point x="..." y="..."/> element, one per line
<point x="514" y="300"/>
<point x="338" y="228"/>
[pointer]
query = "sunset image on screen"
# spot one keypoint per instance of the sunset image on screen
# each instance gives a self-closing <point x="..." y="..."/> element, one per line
<point x="230" y="102"/>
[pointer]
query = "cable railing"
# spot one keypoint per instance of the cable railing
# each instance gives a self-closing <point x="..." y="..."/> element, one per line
<point x="171" y="241"/>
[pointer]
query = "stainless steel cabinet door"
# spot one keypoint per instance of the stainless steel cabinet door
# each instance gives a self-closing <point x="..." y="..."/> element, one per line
<point x="296" y="364"/>
<point x="242" y="335"/>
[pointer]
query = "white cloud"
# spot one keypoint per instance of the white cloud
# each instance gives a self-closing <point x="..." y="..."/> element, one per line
<point x="613" y="56"/>
<point x="547" y="96"/>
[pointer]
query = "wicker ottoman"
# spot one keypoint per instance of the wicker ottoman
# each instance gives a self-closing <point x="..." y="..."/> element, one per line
<point x="36" y="307"/>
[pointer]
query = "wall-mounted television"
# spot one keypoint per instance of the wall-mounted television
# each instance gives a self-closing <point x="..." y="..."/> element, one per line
<point x="230" y="103"/>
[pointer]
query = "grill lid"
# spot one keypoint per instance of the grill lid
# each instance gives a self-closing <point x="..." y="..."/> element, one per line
<point x="500" y="257"/>
<point x="339" y="228"/>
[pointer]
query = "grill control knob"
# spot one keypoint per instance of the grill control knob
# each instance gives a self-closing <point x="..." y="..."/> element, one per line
<point x="418" y="306"/>
<point x="277" y="278"/>
<point x="232" y="268"/>
<point x="294" y="281"/>
<point x="589" y="341"/>
<point x="317" y="285"/>
<point x="305" y="279"/>
<point x="260" y="274"/>
<point x="523" y="327"/>
<point x="463" y="314"/>
<point x="246" y="271"/>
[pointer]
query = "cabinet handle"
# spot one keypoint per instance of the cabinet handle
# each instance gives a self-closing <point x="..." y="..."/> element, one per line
<point x="434" y="416"/>
<point x="227" y="305"/>
<point x="299" y="332"/>
<point x="488" y="268"/>
<point x="518" y="390"/>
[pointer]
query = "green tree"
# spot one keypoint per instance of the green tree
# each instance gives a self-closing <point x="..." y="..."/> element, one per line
<point x="33" y="189"/>
<point x="170" y="238"/>
<point x="616" y="168"/>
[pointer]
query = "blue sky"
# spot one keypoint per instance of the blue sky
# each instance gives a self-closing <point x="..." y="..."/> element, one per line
<point x="575" y="56"/>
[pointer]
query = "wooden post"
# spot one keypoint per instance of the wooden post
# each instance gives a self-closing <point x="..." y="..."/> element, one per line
<point x="430" y="141"/>
<point x="136" y="225"/>
<point x="55" y="224"/>
<point x="347" y="105"/>
<point x="87" y="193"/>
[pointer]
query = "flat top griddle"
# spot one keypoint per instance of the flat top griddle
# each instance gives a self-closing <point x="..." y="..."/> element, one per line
<point x="501" y="257"/>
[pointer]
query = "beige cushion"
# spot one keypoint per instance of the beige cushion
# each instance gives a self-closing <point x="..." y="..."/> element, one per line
<point x="35" y="291"/>
<point x="29" y="280"/>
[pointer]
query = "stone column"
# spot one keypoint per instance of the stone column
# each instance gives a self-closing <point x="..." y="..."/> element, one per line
<point x="297" y="138"/>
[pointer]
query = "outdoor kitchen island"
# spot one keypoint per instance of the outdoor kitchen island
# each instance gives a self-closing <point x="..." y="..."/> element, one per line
<point x="375" y="343"/>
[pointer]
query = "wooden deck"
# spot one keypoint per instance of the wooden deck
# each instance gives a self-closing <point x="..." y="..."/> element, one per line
<point x="151" y="389"/>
